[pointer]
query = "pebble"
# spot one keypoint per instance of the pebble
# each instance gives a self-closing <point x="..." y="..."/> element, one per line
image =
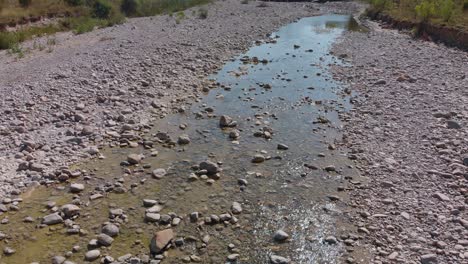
<point x="258" y="158"/>
<point x="92" y="255"/>
<point x="105" y="240"/>
<point x="236" y="208"/>
<point x="158" y="173"/>
<point x="134" y="159"/>
<point x="280" y="236"/>
<point x="77" y="187"/>
<point x="110" y="230"/>
<point x="274" y="259"/>
<point x="52" y="219"/>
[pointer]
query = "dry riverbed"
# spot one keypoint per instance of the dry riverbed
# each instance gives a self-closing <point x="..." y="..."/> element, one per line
<point x="408" y="131"/>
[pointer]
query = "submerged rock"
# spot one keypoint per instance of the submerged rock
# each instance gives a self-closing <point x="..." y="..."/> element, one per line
<point x="210" y="167"/>
<point x="226" y="121"/>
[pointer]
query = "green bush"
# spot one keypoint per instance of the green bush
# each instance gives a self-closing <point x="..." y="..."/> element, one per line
<point x="447" y="8"/>
<point x="8" y="40"/>
<point x="380" y="5"/>
<point x="102" y="9"/>
<point x="425" y="10"/>
<point x="129" y="7"/>
<point x="24" y="3"/>
<point x="465" y="5"/>
<point x="81" y="25"/>
<point x="74" y="2"/>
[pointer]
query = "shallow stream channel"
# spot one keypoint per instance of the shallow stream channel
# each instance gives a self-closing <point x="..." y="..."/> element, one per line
<point x="256" y="155"/>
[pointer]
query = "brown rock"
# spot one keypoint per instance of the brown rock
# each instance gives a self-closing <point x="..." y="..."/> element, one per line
<point x="161" y="240"/>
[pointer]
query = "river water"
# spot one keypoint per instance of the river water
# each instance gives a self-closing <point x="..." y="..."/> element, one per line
<point x="284" y="87"/>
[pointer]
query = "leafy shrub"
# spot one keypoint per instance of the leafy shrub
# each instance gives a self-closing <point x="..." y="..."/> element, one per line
<point x="81" y="25"/>
<point x="116" y="18"/>
<point x="74" y="2"/>
<point x="465" y="5"/>
<point x="202" y="13"/>
<point x="129" y="7"/>
<point x="7" y="40"/>
<point x="380" y="5"/>
<point x="102" y="9"/>
<point x="447" y="8"/>
<point x="425" y="10"/>
<point x="24" y="3"/>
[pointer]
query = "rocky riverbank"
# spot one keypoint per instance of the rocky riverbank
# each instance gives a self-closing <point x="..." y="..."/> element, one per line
<point x="60" y="106"/>
<point x="408" y="131"/>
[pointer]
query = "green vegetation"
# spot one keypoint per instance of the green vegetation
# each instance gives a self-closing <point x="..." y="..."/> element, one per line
<point x="83" y="15"/>
<point x="449" y="12"/>
<point x="179" y="16"/>
<point x="9" y="40"/>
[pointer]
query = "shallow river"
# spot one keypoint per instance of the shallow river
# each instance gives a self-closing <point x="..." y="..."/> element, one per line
<point x="289" y="93"/>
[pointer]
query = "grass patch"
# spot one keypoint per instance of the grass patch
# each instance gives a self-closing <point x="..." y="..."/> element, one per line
<point x="445" y="12"/>
<point x="9" y="40"/>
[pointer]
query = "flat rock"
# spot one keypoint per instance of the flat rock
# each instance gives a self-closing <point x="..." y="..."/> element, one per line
<point x="52" y="219"/>
<point x="161" y="241"/>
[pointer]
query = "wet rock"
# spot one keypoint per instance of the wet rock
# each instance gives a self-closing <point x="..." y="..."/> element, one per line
<point x="236" y="208"/>
<point x="258" y="158"/>
<point x="183" y="140"/>
<point x="52" y="219"/>
<point x="92" y="255"/>
<point x="280" y="236"/>
<point x="274" y="259"/>
<point x="282" y="147"/>
<point x="134" y="159"/>
<point x="210" y="167"/>
<point x="235" y="134"/>
<point x="158" y="173"/>
<point x="161" y="240"/>
<point x="77" y="187"/>
<point x="226" y="121"/>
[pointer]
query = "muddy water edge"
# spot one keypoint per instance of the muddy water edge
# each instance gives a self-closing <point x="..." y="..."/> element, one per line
<point x="286" y="107"/>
